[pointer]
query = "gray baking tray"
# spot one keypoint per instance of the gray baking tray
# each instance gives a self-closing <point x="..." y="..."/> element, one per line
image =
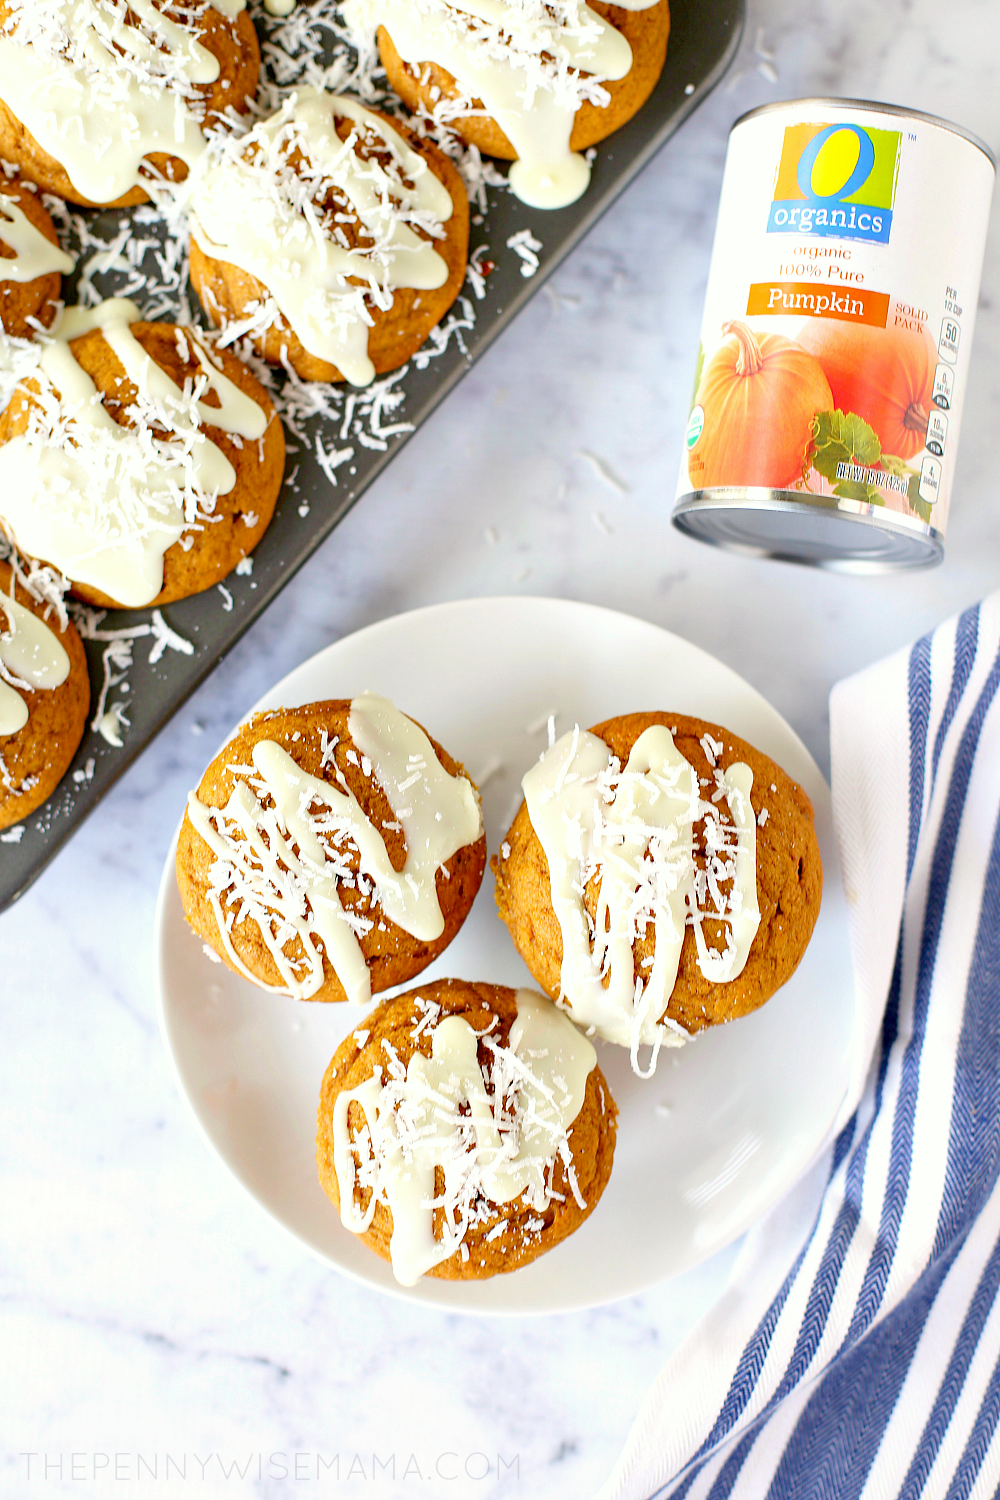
<point x="704" y="36"/>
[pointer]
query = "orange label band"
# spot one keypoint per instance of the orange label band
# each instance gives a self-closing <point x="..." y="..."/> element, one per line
<point x="811" y="299"/>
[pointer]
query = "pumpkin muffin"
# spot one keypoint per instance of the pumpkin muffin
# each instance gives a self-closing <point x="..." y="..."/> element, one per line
<point x="44" y="700"/>
<point x="287" y="230"/>
<point x="537" y="1094"/>
<point x="422" y="85"/>
<point x="331" y="851"/>
<point x="27" y="300"/>
<point x="536" y="88"/>
<point x="712" y="912"/>
<point x="144" y="62"/>
<point x="210" y="532"/>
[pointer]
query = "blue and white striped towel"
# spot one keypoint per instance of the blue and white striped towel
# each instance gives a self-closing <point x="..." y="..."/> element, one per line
<point x="854" y="1355"/>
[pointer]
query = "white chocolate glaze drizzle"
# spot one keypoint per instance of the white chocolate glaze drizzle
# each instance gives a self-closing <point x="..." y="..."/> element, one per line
<point x="103" y="502"/>
<point x="34" y="254"/>
<point x="282" y="866"/>
<point x="502" y="1149"/>
<point x="31" y="657"/>
<point x="100" y="94"/>
<point x="635" y="829"/>
<point x="252" y="208"/>
<point x="531" y="63"/>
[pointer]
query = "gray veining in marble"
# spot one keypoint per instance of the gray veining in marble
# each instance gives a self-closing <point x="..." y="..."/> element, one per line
<point x="148" y="1308"/>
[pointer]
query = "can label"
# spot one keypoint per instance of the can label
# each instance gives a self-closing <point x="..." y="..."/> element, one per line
<point x="839" y="311"/>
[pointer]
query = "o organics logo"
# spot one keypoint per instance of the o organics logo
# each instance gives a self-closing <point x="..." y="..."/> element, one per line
<point x="836" y="180"/>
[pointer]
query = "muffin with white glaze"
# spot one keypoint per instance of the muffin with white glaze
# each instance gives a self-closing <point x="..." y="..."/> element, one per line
<point x="44" y="699"/>
<point x="534" y="83"/>
<point x="331" y="236"/>
<point x="464" y="1130"/>
<point x="32" y="264"/>
<point x="136" y="459"/>
<point x="661" y="876"/>
<point x="71" y="71"/>
<point x="331" y="851"/>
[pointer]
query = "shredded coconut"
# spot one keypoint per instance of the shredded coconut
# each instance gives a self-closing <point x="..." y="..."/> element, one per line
<point x="409" y="1109"/>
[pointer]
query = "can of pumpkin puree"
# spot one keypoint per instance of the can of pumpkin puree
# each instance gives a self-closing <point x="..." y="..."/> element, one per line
<point x="835" y="342"/>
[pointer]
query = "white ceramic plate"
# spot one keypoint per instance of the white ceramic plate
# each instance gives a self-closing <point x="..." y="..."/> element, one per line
<point x="724" y="1127"/>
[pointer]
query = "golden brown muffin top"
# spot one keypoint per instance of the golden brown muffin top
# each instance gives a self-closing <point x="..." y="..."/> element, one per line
<point x="570" y="1159"/>
<point x="278" y="920"/>
<point x="158" y="69"/>
<point x="117" y="497"/>
<point x="34" y="758"/>
<point x="788" y="881"/>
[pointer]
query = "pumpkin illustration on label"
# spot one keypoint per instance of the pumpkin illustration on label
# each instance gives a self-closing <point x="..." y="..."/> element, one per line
<point x="758" y="396"/>
<point x="883" y="375"/>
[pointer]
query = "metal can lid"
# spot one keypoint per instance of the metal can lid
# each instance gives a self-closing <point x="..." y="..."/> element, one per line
<point x="874" y="104"/>
<point x="821" y="531"/>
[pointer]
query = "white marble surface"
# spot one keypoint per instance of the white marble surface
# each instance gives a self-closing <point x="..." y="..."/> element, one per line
<point x="148" y="1307"/>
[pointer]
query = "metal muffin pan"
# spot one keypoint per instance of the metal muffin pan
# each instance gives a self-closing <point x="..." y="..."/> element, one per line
<point x="703" y="40"/>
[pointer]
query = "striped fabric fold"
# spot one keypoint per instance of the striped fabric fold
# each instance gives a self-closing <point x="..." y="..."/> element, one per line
<point x="855" y="1354"/>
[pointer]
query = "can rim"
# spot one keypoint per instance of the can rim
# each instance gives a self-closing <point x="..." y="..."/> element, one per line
<point x="728" y="498"/>
<point x="873" y="104"/>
